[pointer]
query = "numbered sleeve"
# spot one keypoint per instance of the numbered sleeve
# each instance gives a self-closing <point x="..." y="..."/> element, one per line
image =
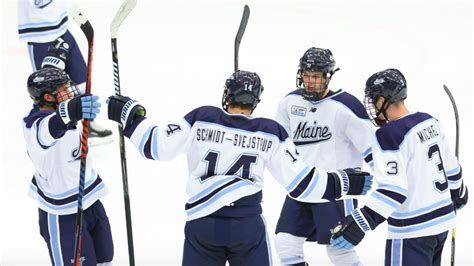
<point x="160" y="142"/>
<point x="390" y="174"/>
<point x="302" y="182"/>
<point x="282" y="116"/>
<point x="450" y="164"/>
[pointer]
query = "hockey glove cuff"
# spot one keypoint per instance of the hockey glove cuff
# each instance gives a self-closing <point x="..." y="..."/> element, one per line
<point x="123" y="109"/>
<point x="351" y="182"/>
<point x="57" y="56"/>
<point x="75" y="109"/>
<point x="351" y="230"/>
<point x="459" y="196"/>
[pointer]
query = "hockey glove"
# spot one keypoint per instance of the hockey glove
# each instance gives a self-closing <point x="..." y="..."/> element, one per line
<point x="459" y="196"/>
<point x="351" y="182"/>
<point x="77" y="108"/>
<point x="351" y="230"/>
<point x="58" y="54"/>
<point x="123" y="109"/>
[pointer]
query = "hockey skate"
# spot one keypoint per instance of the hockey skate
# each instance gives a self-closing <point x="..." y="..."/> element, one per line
<point x="99" y="135"/>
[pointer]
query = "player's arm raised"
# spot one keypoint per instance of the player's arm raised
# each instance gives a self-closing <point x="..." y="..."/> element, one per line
<point x="156" y="142"/>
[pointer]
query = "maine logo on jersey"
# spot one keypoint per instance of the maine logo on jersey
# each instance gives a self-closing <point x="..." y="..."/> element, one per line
<point x="309" y="133"/>
<point x="298" y="110"/>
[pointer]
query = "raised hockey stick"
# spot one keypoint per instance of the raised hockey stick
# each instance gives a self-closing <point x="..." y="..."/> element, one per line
<point x="88" y="31"/>
<point x="456" y="152"/>
<point x="125" y="9"/>
<point x="240" y="34"/>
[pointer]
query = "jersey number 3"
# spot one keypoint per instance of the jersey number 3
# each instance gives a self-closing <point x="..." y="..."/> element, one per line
<point x="244" y="162"/>
<point x="440" y="185"/>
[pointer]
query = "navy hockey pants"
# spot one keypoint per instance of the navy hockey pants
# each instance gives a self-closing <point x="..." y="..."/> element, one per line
<point x="211" y="241"/>
<point x="76" y="67"/>
<point x="313" y="220"/>
<point x="59" y="233"/>
<point x="419" y="251"/>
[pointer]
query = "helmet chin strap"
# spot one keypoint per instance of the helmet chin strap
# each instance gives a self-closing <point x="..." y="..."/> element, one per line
<point x="383" y="111"/>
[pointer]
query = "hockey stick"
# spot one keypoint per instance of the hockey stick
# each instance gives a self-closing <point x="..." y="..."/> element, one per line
<point x="125" y="9"/>
<point x="88" y="31"/>
<point x="456" y="152"/>
<point x="240" y="34"/>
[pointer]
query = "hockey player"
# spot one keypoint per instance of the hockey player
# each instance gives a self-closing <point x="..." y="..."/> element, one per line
<point x="52" y="132"/>
<point x="419" y="179"/>
<point x="43" y="24"/>
<point x="331" y="130"/>
<point x="227" y="152"/>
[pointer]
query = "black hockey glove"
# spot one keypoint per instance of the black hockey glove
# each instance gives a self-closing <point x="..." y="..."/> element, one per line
<point x="351" y="229"/>
<point x="459" y="196"/>
<point x="351" y="182"/>
<point x="75" y="109"/>
<point x="123" y="109"/>
<point x="58" y="54"/>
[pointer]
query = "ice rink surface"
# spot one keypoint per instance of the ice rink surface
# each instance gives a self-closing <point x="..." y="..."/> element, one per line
<point x="175" y="56"/>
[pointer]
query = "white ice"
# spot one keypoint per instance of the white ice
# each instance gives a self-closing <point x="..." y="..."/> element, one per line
<point x="175" y="56"/>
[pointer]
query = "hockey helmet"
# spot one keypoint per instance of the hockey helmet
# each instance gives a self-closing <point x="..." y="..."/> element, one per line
<point x="242" y="87"/>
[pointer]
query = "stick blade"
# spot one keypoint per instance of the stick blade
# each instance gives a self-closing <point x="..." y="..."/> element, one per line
<point x="125" y="9"/>
<point x="78" y="16"/>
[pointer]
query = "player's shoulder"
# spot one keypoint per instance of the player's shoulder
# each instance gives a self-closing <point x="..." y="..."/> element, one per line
<point x="350" y="102"/>
<point x="217" y="116"/>
<point x="391" y="135"/>
<point x="204" y="113"/>
<point x="297" y="92"/>
<point x="34" y="115"/>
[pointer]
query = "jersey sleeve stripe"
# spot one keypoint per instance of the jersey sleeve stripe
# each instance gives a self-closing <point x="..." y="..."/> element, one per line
<point x="385" y="200"/>
<point x="298" y="178"/>
<point x="154" y="145"/>
<point x="393" y="195"/>
<point x="313" y="184"/>
<point x="454" y="171"/>
<point x="149" y="143"/>
<point x="303" y="185"/>
<point x="454" y="175"/>
<point x="145" y="139"/>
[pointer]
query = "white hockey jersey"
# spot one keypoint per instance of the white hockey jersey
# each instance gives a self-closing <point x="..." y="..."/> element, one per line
<point x="41" y="20"/>
<point x="56" y="152"/>
<point x="332" y="133"/>
<point x="415" y="170"/>
<point x="227" y="155"/>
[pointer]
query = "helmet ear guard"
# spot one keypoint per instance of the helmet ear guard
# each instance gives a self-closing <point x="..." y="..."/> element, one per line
<point x="242" y="88"/>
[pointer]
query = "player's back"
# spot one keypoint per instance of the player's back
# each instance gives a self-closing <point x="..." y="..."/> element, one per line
<point x="225" y="146"/>
<point x="416" y="153"/>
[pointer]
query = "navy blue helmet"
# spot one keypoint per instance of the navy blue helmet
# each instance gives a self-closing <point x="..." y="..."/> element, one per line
<point x="46" y="80"/>
<point x="390" y="84"/>
<point x="315" y="60"/>
<point x="242" y="87"/>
